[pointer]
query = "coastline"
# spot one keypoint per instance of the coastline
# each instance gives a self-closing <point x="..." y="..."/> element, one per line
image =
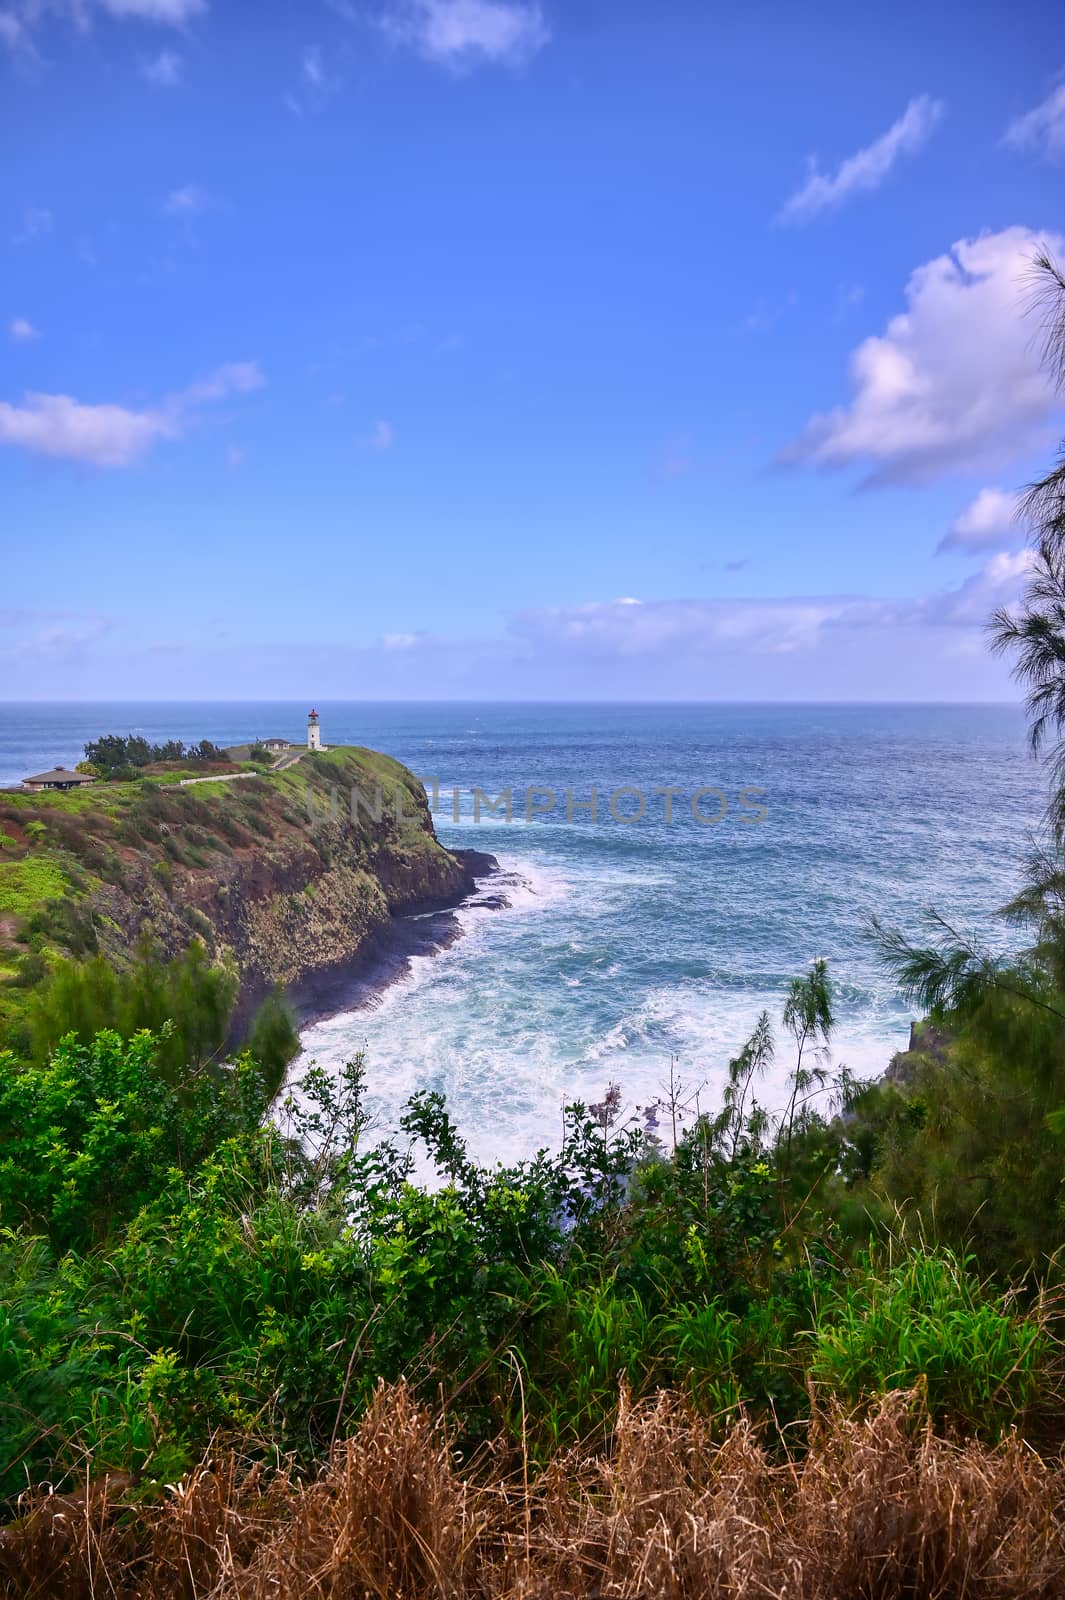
<point x="421" y="929"/>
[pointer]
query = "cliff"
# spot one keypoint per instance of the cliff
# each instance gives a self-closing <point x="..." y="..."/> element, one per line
<point x="292" y="875"/>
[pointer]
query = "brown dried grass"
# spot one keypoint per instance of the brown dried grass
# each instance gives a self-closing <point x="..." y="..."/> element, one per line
<point x="878" y="1507"/>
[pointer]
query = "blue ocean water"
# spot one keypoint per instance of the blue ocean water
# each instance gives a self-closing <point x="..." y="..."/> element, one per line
<point x="627" y="944"/>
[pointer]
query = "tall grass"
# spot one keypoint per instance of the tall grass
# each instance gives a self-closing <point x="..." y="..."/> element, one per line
<point x="877" y="1507"/>
<point x="926" y="1319"/>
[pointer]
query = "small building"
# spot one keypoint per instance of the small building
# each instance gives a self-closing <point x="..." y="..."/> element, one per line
<point x="59" y="778"/>
<point x="275" y="746"/>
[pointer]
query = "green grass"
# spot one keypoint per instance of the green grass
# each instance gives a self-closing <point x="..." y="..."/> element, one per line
<point x="926" y="1319"/>
<point x="25" y="885"/>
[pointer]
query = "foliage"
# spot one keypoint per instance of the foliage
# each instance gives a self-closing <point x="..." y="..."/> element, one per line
<point x="112" y="755"/>
<point x="187" y="1003"/>
<point x="25" y="884"/>
<point x="924" y="1319"/>
<point x="181" y="1265"/>
<point x="91" y="1136"/>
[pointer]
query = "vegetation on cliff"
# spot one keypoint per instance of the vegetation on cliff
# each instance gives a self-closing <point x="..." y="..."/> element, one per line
<point x="182" y="1267"/>
<point x="116" y="757"/>
<point x="272" y="871"/>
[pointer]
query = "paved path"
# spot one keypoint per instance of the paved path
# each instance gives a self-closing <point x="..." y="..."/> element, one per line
<point x="231" y="777"/>
<point x="217" y="777"/>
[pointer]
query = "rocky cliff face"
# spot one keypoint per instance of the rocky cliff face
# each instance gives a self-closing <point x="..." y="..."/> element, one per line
<point x="289" y="875"/>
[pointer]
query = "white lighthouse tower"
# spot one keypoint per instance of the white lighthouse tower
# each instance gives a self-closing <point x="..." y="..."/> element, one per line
<point x="314" y="732"/>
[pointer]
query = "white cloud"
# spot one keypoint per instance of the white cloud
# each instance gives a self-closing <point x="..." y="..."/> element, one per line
<point x="987" y="522"/>
<point x="316" y="82"/>
<point x="656" y="629"/>
<point x="868" y="168"/>
<point x="172" y="12"/>
<point x="233" y="377"/>
<point x="37" y="223"/>
<point x="21" y="17"/>
<point x="15" y="35"/>
<point x="919" y="647"/>
<point x="113" y="435"/>
<point x="312" y="69"/>
<point x="105" y="435"/>
<point x="163" y="70"/>
<point x="190" y="200"/>
<point x="467" y="33"/>
<point x="382" y="437"/>
<point x="955" y="380"/>
<point x="1043" y="128"/>
<point x="21" y="329"/>
<point x="58" y="639"/>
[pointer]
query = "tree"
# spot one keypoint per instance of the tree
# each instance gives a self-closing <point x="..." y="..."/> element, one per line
<point x="1036" y="633"/>
<point x="187" y="1003"/>
<point x="112" y="755"/>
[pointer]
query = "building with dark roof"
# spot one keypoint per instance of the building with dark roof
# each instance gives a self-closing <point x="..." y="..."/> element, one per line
<point x="58" y="778"/>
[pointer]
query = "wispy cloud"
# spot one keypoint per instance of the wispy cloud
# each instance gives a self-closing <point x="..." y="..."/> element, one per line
<point x="868" y="168"/>
<point x="382" y="436"/>
<point x="109" y="435"/>
<point x="21" y="330"/>
<point x="954" y="380"/>
<point x="677" y="459"/>
<point x="15" y="36"/>
<point x="673" y="649"/>
<point x="37" y="223"/>
<point x="163" y="71"/>
<point x="174" y="13"/>
<point x="1042" y="128"/>
<point x="190" y="200"/>
<point x="19" y="19"/>
<point x="461" y="34"/>
<point x="317" y="81"/>
<point x="312" y="70"/>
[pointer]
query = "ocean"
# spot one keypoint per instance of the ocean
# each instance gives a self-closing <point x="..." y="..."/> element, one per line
<point x="636" y="941"/>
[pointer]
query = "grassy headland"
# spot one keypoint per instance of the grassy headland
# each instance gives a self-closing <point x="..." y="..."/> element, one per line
<point x="269" y="869"/>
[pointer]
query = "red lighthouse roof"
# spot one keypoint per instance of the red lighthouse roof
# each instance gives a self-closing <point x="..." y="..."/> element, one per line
<point x="314" y="713"/>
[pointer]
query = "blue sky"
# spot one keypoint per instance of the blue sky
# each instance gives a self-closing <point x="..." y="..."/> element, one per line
<point x="479" y="348"/>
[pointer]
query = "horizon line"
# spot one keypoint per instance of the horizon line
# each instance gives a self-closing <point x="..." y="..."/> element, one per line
<point x="434" y="701"/>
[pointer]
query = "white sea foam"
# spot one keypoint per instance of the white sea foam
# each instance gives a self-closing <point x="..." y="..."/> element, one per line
<point x="489" y="1022"/>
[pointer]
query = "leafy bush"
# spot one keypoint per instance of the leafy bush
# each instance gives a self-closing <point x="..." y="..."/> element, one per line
<point x="180" y="1265"/>
<point x="926" y="1320"/>
<point x="90" y="1136"/>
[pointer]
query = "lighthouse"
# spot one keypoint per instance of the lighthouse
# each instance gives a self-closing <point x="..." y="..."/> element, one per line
<point x="314" y="732"/>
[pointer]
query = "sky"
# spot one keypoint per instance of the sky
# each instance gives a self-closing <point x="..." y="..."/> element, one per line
<point x="490" y="349"/>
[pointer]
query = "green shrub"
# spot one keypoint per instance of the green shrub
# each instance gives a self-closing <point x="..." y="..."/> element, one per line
<point x="926" y="1319"/>
<point x="90" y="1136"/>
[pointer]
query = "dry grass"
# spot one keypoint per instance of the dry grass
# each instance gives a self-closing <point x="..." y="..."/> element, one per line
<point x="876" y="1508"/>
